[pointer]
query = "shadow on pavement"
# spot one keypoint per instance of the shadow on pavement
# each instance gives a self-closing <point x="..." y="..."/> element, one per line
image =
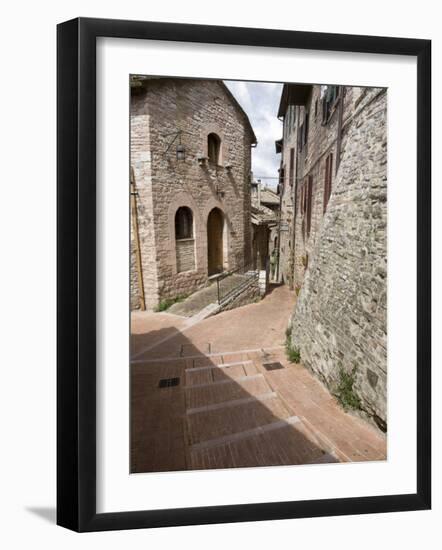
<point x="222" y="412"/>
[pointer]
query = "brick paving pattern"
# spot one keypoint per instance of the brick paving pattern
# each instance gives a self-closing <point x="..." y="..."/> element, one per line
<point x="228" y="410"/>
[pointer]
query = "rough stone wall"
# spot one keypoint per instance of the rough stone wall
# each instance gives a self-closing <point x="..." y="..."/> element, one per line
<point x="322" y="141"/>
<point x="197" y="107"/>
<point x="142" y="167"/>
<point x="134" y="286"/>
<point x="247" y="296"/>
<point x="340" y="319"/>
<point x="286" y="188"/>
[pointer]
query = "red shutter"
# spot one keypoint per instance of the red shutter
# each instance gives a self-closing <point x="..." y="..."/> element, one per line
<point x="328" y="179"/>
<point x="309" y="203"/>
<point x="292" y="165"/>
<point x="325" y="185"/>
<point x="330" y="175"/>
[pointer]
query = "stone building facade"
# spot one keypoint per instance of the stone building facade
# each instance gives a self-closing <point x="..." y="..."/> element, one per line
<point x="265" y="215"/>
<point x="333" y="189"/>
<point x="191" y="164"/>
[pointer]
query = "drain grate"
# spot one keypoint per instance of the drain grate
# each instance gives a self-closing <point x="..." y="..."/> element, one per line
<point x="272" y="366"/>
<point x="168" y="382"/>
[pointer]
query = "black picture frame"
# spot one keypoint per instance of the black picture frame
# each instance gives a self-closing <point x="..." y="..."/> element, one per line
<point x="76" y="274"/>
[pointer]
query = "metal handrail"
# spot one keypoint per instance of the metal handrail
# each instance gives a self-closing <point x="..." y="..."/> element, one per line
<point x="244" y="269"/>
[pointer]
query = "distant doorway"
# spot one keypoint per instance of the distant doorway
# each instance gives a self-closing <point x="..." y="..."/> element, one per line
<point x="215" y="230"/>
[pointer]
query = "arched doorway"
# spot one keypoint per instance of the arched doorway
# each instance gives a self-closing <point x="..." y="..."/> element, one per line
<point x="215" y="230"/>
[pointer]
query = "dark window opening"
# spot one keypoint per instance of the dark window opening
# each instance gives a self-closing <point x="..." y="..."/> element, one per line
<point x="303" y="132"/>
<point x="281" y="181"/>
<point x="183" y="223"/>
<point x="328" y="179"/>
<point x="329" y="101"/>
<point x="213" y="148"/>
<point x="306" y="205"/>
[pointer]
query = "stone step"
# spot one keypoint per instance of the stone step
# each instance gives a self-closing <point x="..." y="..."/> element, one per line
<point x="206" y="378"/>
<point x="216" y="373"/>
<point x="233" y="403"/>
<point x="219" y="422"/>
<point x="201" y="359"/>
<point x="219" y="366"/>
<point x="212" y="393"/>
<point x="249" y="433"/>
<point x="276" y="444"/>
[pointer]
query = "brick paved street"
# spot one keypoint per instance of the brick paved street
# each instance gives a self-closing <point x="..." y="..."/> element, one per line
<point x="228" y="410"/>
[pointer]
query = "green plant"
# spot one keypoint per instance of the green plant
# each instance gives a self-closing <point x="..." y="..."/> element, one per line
<point x="168" y="302"/>
<point x="293" y="353"/>
<point x="297" y="289"/>
<point x="344" y="390"/>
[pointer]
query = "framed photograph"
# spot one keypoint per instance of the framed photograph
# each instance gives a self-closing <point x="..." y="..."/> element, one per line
<point x="243" y="274"/>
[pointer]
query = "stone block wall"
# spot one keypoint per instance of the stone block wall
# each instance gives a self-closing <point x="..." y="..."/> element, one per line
<point x="185" y="255"/>
<point x="340" y="319"/>
<point x="322" y="142"/>
<point x="134" y="286"/>
<point x="142" y="169"/>
<point x="196" y="107"/>
<point x="286" y="188"/>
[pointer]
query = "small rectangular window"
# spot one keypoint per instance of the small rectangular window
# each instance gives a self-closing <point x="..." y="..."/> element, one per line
<point x="300" y="136"/>
<point x="305" y="130"/>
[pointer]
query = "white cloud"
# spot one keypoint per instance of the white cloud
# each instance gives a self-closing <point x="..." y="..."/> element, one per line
<point x="260" y="100"/>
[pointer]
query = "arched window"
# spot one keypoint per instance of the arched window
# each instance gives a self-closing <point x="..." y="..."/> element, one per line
<point x="184" y="241"/>
<point x="213" y="148"/>
<point x="183" y="223"/>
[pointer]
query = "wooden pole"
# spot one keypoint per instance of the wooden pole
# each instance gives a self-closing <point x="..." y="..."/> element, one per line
<point x="134" y="216"/>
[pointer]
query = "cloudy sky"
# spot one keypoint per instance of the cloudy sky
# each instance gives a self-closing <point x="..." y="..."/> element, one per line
<point x="261" y="101"/>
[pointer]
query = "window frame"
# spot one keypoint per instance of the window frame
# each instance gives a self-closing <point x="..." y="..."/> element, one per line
<point x="214" y="138"/>
<point x="189" y="223"/>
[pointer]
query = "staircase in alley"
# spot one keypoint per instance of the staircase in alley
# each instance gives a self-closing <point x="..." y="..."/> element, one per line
<point x="221" y="394"/>
<point x="236" y="417"/>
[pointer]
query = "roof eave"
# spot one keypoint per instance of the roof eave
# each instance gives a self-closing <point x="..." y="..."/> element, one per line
<point x="293" y="94"/>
